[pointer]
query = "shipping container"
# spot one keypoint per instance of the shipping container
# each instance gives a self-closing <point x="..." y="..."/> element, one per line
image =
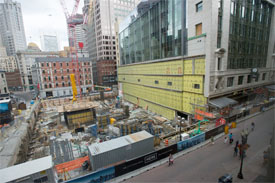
<point x="120" y="149"/>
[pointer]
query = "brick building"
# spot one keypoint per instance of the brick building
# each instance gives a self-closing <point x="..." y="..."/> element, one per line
<point x="52" y="75"/>
<point x="14" y="80"/>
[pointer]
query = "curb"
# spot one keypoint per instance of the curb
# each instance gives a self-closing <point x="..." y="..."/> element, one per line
<point x="165" y="160"/>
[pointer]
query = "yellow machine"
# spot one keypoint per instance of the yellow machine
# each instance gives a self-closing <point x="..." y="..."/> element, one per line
<point x="73" y="87"/>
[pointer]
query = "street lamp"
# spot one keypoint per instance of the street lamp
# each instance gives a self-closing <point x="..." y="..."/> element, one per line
<point x="244" y="141"/>
<point x="181" y="120"/>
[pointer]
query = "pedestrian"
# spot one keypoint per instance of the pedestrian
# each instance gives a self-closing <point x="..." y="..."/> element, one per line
<point x="230" y="138"/>
<point x="212" y="139"/>
<point x="171" y="160"/>
<point x="225" y="139"/>
<point x="235" y="151"/>
<point x="237" y="143"/>
<point x="252" y="126"/>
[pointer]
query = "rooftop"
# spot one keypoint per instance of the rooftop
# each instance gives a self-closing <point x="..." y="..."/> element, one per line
<point x="118" y="142"/>
<point x="60" y="59"/>
<point x="25" y="169"/>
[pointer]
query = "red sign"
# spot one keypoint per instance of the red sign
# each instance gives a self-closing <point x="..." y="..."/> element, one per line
<point x="220" y="121"/>
<point x="207" y="114"/>
<point x="80" y="44"/>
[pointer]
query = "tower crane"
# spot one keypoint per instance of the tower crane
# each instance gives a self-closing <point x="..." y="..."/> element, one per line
<point x="72" y="22"/>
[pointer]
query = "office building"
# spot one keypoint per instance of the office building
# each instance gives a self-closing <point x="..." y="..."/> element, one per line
<point x="101" y="37"/>
<point x="224" y="56"/>
<point x="11" y="27"/>
<point x="4" y="91"/>
<point x="49" y="43"/>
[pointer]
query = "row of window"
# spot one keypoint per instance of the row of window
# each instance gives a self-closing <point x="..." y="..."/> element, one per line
<point x="64" y="84"/>
<point x="68" y="70"/>
<point x="62" y="77"/>
<point x="230" y="80"/>
<point x="61" y="64"/>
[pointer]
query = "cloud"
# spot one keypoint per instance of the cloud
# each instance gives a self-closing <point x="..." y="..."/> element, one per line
<point x="46" y="17"/>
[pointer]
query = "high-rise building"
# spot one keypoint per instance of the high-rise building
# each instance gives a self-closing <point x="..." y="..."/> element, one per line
<point x="79" y="37"/>
<point x="11" y="27"/>
<point x="49" y="43"/>
<point x="220" y="64"/>
<point x="101" y="36"/>
<point x="4" y="91"/>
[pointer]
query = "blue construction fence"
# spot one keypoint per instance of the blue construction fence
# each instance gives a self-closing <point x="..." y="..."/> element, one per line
<point x="139" y="162"/>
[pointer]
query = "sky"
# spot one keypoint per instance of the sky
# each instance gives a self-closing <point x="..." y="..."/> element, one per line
<point x="46" y="17"/>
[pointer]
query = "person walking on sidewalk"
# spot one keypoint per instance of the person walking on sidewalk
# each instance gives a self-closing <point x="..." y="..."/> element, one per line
<point x="230" y="138"/>
<point x="212" y="140"/>
<point x="225" y="139"/>
<point x="252" y="126"/>
<point x="235" y="151"/>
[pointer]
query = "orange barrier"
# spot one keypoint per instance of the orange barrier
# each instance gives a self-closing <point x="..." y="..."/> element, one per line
<point x="166" y="142"/>
<point x="71" y="165"/>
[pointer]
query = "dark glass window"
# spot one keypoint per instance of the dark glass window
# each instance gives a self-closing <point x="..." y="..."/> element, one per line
<point x="169" y="83"/>
<point x="263" y="77"/>
<point x="197" y="86"/>
<point x="199" y="6"/>
<point x="240" y="80"/>
<point x="249" y="79"/>
<point x="230" y="81"/>
<point x="156" y="82"/>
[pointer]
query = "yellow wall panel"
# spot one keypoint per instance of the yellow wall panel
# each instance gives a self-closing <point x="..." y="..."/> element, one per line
<point x="188" y="67"/>
<point x="199" y="66"/>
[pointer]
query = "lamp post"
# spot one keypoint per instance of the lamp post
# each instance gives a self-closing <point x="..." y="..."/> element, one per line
<point x="244" y="141"/>
<point x="181" y="120"/>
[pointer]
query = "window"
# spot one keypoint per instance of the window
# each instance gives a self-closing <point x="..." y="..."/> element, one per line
<point x="219" y="64"/>
<point x="63" y="84"/>
<point x="156" y="82"/>
<point x="55" y="77"/>
<point x="197" y="86"/>
<point x="257" y="78"/>
<point x="56" y="84"/>
<point x="45" y="79"/>
<point x="54" y="71"/>
<point x="263" y="77"/>
<point x="68" y="76"/>
<point x="62" y="77"/>
<point x="50" y="85"/>
<point x="230" y="81"/>
<point x="67" y="64"/>
<point x="199" y="6"/>
<point x="48" y="64"/>
<point x="54" y="64"/>
<point x="240" y="80"/>
<point x="43" y="71"/>
<point x="249" y="79"/>
<point x="5" y="89"/>
<point x="42" y="64"/>
<point x="42" y="179"/>
<point x="45" y="86"/>
<point x="138" y="80"/>
<point x="198" y="29"/>
<point x="68" y="70"/>
<point x="60" y="64"/>
<point x="169" y="83"/>
<point x="69" y="83"/>
<point x="2" y="75"/>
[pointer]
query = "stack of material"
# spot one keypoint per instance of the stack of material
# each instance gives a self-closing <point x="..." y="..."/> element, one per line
<point x="103" y="121"/>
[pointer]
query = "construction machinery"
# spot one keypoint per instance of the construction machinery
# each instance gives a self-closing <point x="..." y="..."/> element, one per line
<point x="72" y="22"/>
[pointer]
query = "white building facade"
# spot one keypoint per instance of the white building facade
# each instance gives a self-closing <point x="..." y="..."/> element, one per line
<point x="237" y="39"/>
<point x="49" y="43"/>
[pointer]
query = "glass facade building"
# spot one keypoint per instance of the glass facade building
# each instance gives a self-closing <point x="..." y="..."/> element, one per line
<point x="158" y="33"/>
<point x="250" y="22"/>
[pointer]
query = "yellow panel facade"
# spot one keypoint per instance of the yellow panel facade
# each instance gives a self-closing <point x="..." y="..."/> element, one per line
<point x="188" y="67"/>
<point x="165" y="87"/>
<point x="200" y="66"/>
<point x="161" y="68"/>
<point x="193" y="84"/>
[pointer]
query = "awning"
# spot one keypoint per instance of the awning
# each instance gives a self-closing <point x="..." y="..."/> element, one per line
<point x="222" y="102"/>
<point x="271" y="87"/>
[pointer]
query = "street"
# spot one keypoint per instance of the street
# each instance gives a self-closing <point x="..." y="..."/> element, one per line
<point x="210" y="162"/>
